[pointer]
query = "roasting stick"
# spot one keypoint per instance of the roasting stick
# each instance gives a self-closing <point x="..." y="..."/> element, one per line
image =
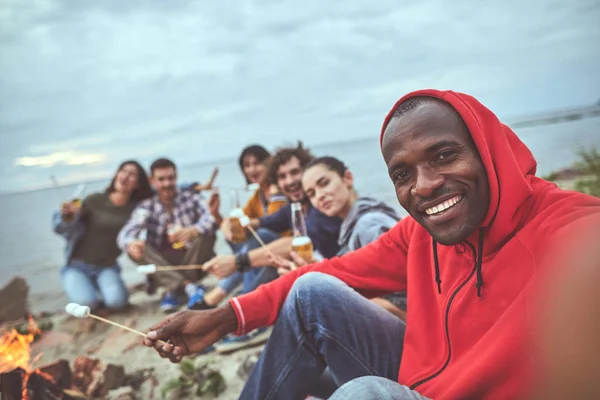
<point x="79" y="311"/>
<point x="245" y="222"/>
<point x="152" y="268"/>
<point x="251" y="229"/>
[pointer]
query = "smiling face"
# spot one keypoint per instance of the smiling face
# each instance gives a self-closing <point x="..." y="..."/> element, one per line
<point x="437" y="172"/>
<point x="327" y="190"/>
<point x="164" y="181"/>
<point x="254" y="170"/>
<point x="289" y="179"/>
<point x="127" y="179"/>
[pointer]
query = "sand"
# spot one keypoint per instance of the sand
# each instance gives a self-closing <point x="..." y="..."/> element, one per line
<point x="71" y="337"/>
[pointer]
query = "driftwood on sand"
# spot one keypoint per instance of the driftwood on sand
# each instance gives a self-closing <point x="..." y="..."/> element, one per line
<point x="13" y="298"/>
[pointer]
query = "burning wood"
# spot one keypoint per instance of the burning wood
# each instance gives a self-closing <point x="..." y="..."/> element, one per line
<point x="17" y="379"/>
<point x="15" y="349"/>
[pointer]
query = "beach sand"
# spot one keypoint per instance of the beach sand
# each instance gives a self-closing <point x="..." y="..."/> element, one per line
<point x="71" y="338"/>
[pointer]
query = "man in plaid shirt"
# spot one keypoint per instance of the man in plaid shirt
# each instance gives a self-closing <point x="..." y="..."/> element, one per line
<point x="179" y="229"/>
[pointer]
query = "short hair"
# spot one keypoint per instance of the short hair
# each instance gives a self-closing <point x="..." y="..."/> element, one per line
<point x="162" y="163"/>
<point x="411" y="104"/>
<point x="285" y="154"/>
<point x="331" y="163"/>
<point x="260" y="153"/>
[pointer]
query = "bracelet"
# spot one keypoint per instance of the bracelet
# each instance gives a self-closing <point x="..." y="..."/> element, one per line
<point x="242" y="262"/>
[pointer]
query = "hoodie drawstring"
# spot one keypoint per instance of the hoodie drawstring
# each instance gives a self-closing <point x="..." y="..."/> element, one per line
<point x="437" y="267"/>
<point x="478" y="264"/>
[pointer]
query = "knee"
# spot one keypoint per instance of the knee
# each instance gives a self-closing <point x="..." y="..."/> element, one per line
<point x="317" y="284"/>
<point x="78" y="290"/>
<point x="372" y="388"/>
<point x="315" y="293"/>
<point x="116" y="299"/>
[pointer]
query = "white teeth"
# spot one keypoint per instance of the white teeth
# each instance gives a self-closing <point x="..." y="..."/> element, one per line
<point x="444" y="206"/>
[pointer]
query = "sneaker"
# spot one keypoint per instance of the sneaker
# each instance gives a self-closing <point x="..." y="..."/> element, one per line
<point x="169" y="303"/>
<point x="196" y="297"/>
<point x="232" y="343"/>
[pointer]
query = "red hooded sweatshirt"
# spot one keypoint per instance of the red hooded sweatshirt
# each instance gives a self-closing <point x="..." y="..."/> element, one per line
<point x="459" y="344"/>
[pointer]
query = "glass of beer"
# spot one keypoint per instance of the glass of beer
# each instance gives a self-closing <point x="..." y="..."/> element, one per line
<point x="172" y="229"/>
<point x="303" y="246"/>
<point x="301" y="243"/>
<point x="238" y="233"/>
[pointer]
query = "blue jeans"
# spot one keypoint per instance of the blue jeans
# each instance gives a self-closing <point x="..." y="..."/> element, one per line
<point x="90" y="285"/>
<point x="325" y="323"/>
<point x="375" y="388"/>
<point x="256" y="276"/>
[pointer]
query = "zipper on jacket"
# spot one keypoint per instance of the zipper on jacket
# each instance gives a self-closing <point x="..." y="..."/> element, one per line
<point x="446" y="318"/>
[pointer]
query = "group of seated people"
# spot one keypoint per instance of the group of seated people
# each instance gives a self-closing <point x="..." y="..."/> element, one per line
<point x="458" y="300"/>
<point x="136" y="215"/>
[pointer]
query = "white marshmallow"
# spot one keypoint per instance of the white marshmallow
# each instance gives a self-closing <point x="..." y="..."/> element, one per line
<point x="81" y="312"/>
<point x="244" y="221"/>
<point x="146" y="269"/>
<point x="71" y="307"/>
<point x="77" y="310"/>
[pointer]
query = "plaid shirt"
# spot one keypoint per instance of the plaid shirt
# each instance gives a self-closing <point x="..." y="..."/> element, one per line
<point x="152" y="217"/>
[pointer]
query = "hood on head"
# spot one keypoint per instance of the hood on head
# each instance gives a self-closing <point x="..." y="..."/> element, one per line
<point x="509" y="164"/>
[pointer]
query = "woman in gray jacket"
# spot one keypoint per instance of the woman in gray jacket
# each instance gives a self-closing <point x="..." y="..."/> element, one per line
<point x="329" y="185"/>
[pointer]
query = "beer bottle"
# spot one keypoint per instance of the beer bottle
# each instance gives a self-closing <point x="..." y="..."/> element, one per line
<point x="238" y="233"/>
<point x="78" y="195"/>
<point x="301" y="243"/>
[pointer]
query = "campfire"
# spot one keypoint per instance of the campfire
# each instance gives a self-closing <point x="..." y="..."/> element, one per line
<point x="18" y="380"/>
<point x="14" y="348"/>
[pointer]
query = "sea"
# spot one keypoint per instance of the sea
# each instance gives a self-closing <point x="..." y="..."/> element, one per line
<point x="30" y="249"/>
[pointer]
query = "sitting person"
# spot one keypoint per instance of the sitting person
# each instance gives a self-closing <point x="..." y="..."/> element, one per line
<point x="329" y="185"/>
<point x="92" y="276"/>
<point x="265" y="200"/>
<point x="180" y="230"/>
<point x="471" y="257"/>
<point x="285" y="169"/>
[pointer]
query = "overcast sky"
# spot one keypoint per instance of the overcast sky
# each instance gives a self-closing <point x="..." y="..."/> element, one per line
<point x="86" y="84"/>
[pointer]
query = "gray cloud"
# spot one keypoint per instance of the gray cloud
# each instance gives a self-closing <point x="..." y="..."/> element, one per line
<point x="118" y="77"/>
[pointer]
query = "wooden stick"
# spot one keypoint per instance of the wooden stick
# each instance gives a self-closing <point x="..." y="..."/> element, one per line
<point x="178" y="267"/>
<point x="251" y="229"/>
<point x="263" y="245"/>
<point x="122" y="327"/>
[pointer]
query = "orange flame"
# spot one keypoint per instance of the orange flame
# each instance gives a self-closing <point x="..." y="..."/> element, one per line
<point x="15" y="351"/>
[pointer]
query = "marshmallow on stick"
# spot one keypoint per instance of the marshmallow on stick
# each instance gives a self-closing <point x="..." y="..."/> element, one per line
<point x="245" y="222"/>
<point x="79" y="311"/>
<point x="152" y="268"/>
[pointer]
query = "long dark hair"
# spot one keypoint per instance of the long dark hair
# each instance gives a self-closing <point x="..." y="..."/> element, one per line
<point x="143" y="191"/>
<point x="331" y="163"/>
<point x="260" y="153"/>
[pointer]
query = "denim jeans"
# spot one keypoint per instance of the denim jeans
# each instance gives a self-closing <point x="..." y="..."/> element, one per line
<point x="325" y="323"/>
<point x="89" y="285"/>
<point x="375" y="388"/>
<point x="252" y="279"/>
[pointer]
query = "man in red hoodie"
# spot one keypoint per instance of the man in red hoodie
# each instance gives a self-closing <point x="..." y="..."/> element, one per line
<point x="471" y="259"/>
